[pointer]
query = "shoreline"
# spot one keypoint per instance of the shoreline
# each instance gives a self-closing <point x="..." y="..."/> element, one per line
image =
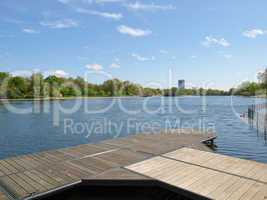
<point x="116" y="97"/>
<point x="66" y="98"/>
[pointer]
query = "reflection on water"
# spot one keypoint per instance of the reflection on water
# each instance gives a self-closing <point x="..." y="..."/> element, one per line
<point x="28" y="133"/>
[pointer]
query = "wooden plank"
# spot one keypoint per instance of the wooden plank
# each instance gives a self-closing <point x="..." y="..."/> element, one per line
<point x="41" y="160"/>
<point x="36" y="185"/>
<point x="20" y="163"/>
<point x="60" y="155"/>
<point x="95" y="165"/>
<point x="57" y="172"/>
<point x="13" y="188"/>
<point x="252" y="191"/>
<point x="117" y="174"/>
<point x="227" y="164"/>
<point x="56" y="176"/>
<point x="122" y="157"/>
<point x="210" y="183"/>
<point x="22" y="183"/>
<point x="39" y="180"/>
<point x="261" y="194"/>
<point x="15" y="165"/>
<point x="4" y="170"/>
<point x="23" y="162"/>
<point x="48" y="179"/>
<point x="49" y="158"/>
<point x="31" y="161"/>
<point x="72" y="171"/>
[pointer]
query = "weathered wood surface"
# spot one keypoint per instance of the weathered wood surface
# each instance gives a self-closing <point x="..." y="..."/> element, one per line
<point x="3" y="196"/>
<point x="28" y="175"/>
<point x="227" y="164"/>
<point x="208" y="174"/>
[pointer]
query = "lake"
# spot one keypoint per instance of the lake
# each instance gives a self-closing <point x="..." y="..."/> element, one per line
<point x="28" y="127"/>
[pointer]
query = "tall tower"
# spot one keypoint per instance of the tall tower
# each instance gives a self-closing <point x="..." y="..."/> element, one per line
<point x="181" y="84"/>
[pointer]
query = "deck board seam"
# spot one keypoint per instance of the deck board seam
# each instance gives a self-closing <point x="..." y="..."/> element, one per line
<point x="164" y="183"/>
<point x="217" y="170"/>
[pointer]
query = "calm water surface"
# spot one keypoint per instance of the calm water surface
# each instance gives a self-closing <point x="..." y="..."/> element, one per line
<point x="34" y="132"/>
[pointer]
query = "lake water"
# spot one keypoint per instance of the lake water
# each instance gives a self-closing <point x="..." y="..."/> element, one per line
<point x="45" y="126"/>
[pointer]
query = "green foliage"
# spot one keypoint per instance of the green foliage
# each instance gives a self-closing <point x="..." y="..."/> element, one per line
<point x="194" y="92"/>
<point x="252" y="88"/>
<point x="263" y="77"/>
<point x="17" y="87"/>
<point x="3" y="78"/>
<point x="37" y="86"/>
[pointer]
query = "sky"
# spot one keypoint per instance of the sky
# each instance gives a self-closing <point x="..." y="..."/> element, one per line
<point x="209" y="43"/>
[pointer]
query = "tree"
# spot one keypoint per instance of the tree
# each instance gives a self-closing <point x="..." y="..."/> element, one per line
<point x="54" y="80"/>
<point x="53" y="84"/>
<point x="37" y="86"/>
<point x="262" y="76"/>
<point x="18" y="87"/>
<point x="82" y="85"/>
<point x="263" y="79"/>
<point x="3" y="77"/>
<point x="131" y="89"/>
<point x="113" y="87"/>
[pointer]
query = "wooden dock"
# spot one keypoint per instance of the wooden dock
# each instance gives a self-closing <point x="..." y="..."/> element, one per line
<point x="176" y="159"/>
<point x="36" y="174"/>
<point x="210" y="175"/>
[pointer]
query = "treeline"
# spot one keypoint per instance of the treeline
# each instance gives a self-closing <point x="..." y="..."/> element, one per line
<point x="38" y="86"/>
<point x="252" y="88"/>
<point x="194" y="92"/>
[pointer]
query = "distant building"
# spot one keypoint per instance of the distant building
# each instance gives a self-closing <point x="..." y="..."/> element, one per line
<point x="181" y="84"/>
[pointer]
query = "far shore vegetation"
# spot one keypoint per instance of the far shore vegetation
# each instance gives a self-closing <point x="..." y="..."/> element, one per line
<point x="52" y="87"/>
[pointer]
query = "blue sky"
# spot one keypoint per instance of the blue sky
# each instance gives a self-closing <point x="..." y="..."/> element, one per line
<point x="208" y="43"/>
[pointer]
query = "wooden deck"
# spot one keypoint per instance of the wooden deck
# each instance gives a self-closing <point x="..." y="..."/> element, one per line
<point x="207" y="174"/>
<point x="177" y="159"/>
<point x="30" y="175"/>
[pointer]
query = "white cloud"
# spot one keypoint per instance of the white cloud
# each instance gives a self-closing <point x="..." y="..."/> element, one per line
<point x="115" y="16"/>
<point x="114" y="65"/>
<point x="96" y="67"/>
<point x="30" y="31"/>
<point x="133" y="32"/>
<point x="193" y="57"/>
<point x="137" y="6"/>
<point x="254" y="33"/>
<point x="60" y="73"/>
<point x="60" y="24"/>
<point x="209" y="41"/>
<point x="141" y="58"/>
